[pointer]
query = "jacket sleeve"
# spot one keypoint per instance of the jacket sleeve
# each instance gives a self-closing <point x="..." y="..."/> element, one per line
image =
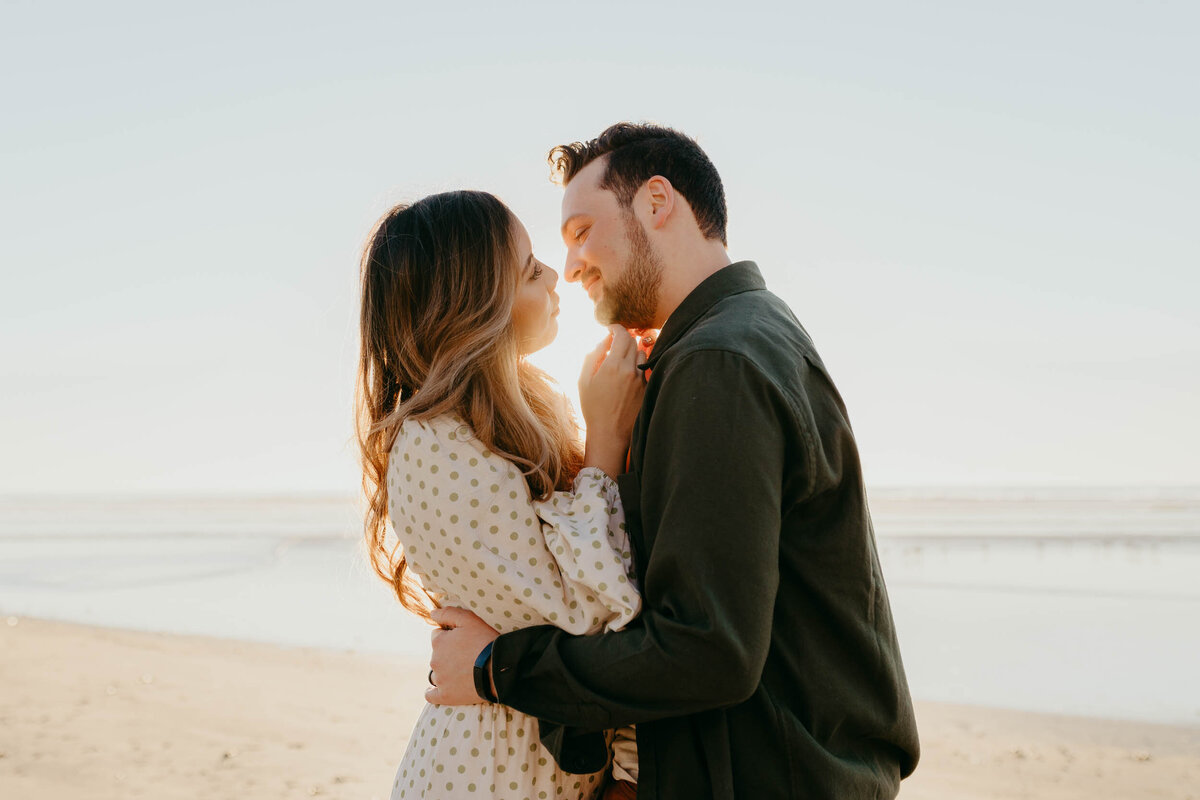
<point x="711" y="489"/>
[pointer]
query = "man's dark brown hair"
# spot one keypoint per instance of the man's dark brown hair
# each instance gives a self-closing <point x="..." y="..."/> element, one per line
<point x="639" y="151"/>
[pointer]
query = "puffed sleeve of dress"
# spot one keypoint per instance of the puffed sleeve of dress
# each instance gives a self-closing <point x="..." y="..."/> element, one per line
<point x="473" y="534"/>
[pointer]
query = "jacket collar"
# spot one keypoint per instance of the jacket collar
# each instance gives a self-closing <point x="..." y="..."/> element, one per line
<point x="742" y="276"/>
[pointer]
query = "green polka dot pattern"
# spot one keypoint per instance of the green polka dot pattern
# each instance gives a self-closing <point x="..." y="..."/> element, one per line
<point x="475" y="538"/>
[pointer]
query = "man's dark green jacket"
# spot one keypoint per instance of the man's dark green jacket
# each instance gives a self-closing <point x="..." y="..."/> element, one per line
<point x="764" y="663"/>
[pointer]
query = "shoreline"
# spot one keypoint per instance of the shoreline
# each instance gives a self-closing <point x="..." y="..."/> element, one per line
<point x="111" y="713"/>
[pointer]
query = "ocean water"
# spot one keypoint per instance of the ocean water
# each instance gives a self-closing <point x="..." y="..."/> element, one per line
<point x="1082" y="601"/>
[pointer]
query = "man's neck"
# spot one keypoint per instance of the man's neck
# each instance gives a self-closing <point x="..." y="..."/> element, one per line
<point x="683" y="274"/>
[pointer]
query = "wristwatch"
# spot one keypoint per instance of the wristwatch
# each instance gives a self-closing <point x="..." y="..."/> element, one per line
<point x="483" y="683"/>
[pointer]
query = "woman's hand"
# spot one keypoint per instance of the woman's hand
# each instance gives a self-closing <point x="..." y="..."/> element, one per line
<point x="610" y="396"/>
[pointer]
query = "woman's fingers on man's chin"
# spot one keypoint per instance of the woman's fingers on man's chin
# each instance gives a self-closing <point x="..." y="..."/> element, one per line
<point x="594" y="359"/>
<point x="620" y="336"/>
<point x="623" y="347"/>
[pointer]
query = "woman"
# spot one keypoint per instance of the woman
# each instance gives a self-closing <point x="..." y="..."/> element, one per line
<point x="473" y="456"/>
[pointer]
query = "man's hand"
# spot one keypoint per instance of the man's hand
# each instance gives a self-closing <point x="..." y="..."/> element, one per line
<point x="456" y="644"/>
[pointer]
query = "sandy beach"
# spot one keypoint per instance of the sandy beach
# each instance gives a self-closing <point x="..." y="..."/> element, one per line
<point x="90" y="712"/>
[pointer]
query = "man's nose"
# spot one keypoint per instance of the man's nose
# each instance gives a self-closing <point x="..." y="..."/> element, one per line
<point x="573" y="269"/>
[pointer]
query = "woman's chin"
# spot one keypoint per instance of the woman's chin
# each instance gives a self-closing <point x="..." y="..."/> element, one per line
<point x="551" y="333"/>
<point x="547" y="338"/>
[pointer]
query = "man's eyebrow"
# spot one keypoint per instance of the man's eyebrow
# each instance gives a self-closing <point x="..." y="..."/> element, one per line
<point x="568" y="222"/>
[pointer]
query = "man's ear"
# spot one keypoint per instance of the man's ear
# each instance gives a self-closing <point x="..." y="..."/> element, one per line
<point x="661" y="195"/>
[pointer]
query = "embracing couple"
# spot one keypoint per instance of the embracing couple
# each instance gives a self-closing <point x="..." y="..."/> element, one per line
<point x="686" y="605"/>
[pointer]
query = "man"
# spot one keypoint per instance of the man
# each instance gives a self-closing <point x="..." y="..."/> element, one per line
<point x="764" y="663"/>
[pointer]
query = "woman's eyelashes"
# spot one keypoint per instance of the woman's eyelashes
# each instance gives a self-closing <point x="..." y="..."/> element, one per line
<point x="537" y="271"/>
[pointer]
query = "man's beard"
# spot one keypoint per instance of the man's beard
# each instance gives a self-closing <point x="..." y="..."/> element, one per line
<point x="632" y="301"/>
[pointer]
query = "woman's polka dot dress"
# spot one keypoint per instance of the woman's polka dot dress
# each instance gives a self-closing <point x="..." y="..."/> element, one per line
<point x="475" y="538"/>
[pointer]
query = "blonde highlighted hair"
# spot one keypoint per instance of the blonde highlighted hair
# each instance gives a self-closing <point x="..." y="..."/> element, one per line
<point x="439" y="279"/>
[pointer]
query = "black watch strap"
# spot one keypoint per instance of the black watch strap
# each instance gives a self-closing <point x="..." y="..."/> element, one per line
<point x="483" y="683"/>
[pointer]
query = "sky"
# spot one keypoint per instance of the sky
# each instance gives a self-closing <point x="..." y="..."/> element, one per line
<point x="983" y="213"/>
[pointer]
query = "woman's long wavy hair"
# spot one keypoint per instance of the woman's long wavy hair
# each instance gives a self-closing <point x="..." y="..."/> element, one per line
<point x="439" y="279"/>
